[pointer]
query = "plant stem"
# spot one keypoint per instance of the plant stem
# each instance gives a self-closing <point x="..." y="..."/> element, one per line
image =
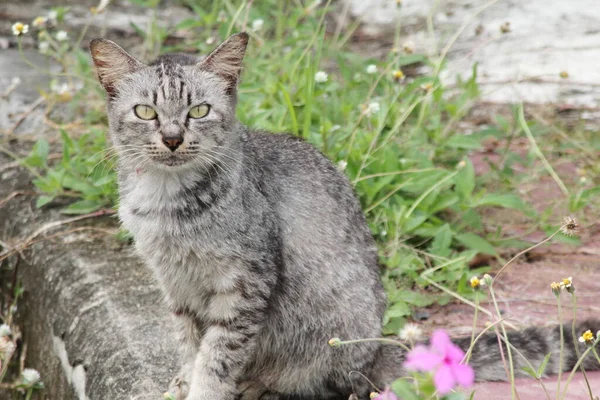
<point x="562" y="346"/>
<point x="474" y="326"/>
<point x="579" y="361"/>
<point x="574" y="334"/>
<point x="525" y="251"/>
<point x="381" y="340"/>
<point x="508" y="350"/>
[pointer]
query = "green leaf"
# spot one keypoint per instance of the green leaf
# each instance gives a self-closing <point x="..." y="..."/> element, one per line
<point x="455" y="396"/>
<point x="467" y="142"/>
<point x="442" y="241"/>
<point x="83" y="207"/>
<point x="43" y="200"/>
<point x="532" y="372"/>
<point x="502" y="200"/>
<point x="399" y="309"/>
<point x="544" y="364"/>
<point x="465" y="180"/>
<point x="475" y="242"/>
<point x="415" y="298"/>
<point x="404" y="389"/>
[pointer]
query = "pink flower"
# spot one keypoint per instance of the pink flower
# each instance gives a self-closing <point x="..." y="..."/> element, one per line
<point x="444" y="357"/>
<point x="387" y="394"/>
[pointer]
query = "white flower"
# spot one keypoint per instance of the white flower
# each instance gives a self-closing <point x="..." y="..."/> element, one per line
<point x="30" y="376"/>
<point x="7" y="347"/>
<point x="39" y="22"/>
<point x="371" y="69"/>
<point x="372" y="108"/>
<point x="5" y="330"/>
<point x="43" y="47"/>
<point x="19" y="28"/>
<point x="342" y="164"/>
<point x="52" y="16"/>
<point x="567" y="283"/>
<point x="210" y="40"/>
<point x="410" y="333"/>
<point x="14" y="82"/>
<point x="61" y="36"/>
<point x="321" y="77"/>
<point x="257" y="24"/>
<point x="409" y="47"/>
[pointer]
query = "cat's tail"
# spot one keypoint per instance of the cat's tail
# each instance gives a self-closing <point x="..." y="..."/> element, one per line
<point x="529" y="347"/>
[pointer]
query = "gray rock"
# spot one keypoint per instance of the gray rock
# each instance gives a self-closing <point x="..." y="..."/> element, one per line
<point x="92" y="316"/>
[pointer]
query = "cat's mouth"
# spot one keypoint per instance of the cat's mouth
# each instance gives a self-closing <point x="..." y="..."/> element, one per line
<point x="171" y="160"/>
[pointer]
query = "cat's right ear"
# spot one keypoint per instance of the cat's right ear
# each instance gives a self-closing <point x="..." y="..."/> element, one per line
<point x="112" y="63"/>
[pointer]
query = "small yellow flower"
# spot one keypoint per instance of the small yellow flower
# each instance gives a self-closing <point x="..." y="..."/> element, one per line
<point x="398" y="75"/>
<point x="398" y="3"/>
<point x="587" y="337"/>
<point x="555" y="287"/>
<point x="39" y="22"/>
<point x="334" y="342"/>
<point x="408" y="47"/>
<point x="570" y="226"/>
<point x="564" y="74"/>
<point x="372" y="395"/>
<point x="20" y="28"/>
<point x="475" y="282"/>
<point x="505" y="27"/>
<point x="427" y="87"/>
<point x="567" y="284"/>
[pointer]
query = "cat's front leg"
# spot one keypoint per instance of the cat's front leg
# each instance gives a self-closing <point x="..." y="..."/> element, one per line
<point x="228" y="345"/>
<point x="189" y="332"/>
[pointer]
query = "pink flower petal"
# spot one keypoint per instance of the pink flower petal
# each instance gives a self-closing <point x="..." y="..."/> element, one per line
<point x="464" y="375"/>
<point x="421" y="359"/>
<point x="387" y="394"/>
<point x="440" y="341"/>
<point x="454" y="353"/>
<point x="444" y="379"/>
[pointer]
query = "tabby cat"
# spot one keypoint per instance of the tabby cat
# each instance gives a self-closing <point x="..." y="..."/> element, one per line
<point x="257" y="240"/>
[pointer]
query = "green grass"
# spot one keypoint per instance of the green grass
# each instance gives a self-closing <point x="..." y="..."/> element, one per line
<point x="398" y="141"/>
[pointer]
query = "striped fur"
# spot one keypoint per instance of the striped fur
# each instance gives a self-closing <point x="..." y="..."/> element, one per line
<point x="258" y="242"/>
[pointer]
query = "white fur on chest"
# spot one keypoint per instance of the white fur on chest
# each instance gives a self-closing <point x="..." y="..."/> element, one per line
<point x="192" y="273"/>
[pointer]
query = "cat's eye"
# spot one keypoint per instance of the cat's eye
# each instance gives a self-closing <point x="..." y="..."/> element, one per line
<point x="144" y="112"/>
<point x="200" y="111"/>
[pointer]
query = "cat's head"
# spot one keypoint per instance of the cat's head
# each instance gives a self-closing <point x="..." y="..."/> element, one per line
<point x="176" y="111"/>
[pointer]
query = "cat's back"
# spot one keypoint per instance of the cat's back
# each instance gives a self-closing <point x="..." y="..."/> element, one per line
<point x="318" y="210"/>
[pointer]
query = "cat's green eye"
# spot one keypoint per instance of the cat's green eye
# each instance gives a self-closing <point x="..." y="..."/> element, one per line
<point x="200" y="111"/>
<point x="144" y="112"/>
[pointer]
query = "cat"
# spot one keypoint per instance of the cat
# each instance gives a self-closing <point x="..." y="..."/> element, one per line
<point x="258" y="241"/>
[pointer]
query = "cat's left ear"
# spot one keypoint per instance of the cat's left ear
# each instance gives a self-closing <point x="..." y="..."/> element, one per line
<point x="226" y="60"/>
<point x="112" y="63"/>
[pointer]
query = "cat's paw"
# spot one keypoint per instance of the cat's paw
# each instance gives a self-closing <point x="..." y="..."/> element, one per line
<point x="179" y="389"/>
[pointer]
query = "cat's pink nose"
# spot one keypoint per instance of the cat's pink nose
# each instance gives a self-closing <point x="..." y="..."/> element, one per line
<point x="172" y="143"/>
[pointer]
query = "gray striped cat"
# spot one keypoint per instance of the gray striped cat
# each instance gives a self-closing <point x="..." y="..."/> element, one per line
<point x="258" y="241"/>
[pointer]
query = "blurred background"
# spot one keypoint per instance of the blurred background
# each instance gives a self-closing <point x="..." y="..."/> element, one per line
<point x="469" y="130"/>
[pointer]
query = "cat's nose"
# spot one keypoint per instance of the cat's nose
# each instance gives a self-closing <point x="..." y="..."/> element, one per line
<point x="172" y="142"/>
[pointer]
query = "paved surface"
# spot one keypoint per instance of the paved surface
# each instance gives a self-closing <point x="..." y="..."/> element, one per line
<point x="545" y="38"/>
